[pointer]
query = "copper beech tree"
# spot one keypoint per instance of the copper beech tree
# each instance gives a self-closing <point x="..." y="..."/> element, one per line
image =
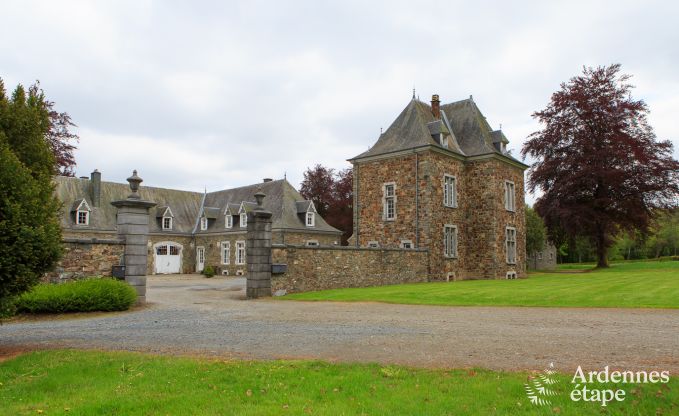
<point x="332" y="194"/>
<point x="599" y="167"/>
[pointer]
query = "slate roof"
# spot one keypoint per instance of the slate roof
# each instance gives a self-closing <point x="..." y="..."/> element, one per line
<point x="281" y="199"/>
<point x="470" y="133"/>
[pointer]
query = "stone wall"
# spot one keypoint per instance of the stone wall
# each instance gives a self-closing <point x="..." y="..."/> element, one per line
<point x="544" y="259"/>
<point x="320" y="268"/>
<point x="86" y="257"/>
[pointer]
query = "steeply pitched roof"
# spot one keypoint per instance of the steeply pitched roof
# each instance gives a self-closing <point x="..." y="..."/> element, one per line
<point x="185" y="205"/>
<point x="470" y="133"/>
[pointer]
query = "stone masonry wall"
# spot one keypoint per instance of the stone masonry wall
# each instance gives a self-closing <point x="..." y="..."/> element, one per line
<point x="320" y="268"/>
<point x="85" y="258"/>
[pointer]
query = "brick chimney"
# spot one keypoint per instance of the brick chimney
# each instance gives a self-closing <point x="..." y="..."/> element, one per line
<point x="435" y="106"/>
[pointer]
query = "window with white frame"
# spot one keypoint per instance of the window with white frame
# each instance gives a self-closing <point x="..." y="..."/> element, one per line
<point x="510" y="241"/>
<point x="167" y="223"/>
<point x="406" y="244"/>
<point x="310" y="219"/>
<point x="243" y="220"/>
<point x="450" y="191"/>
<point x="373" y="244"/>
<point x="226" y="252"/>
<point x="203" y="223"/>
<point x="312" y="243"/>
<point x="82" y="217"/>
<point x="240" y="252"/>
<point x="389" y="201"/>
<point x="228" y="221"/>
<point x="510" y="203"/>
<point x="450" y="241"/>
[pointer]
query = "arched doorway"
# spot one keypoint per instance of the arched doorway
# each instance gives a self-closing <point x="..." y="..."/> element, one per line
<point x="167" y="257"/>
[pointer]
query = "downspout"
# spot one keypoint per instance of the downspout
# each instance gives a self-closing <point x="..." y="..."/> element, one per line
<point x="417" y="200"/>
<point x="356" y="202"/>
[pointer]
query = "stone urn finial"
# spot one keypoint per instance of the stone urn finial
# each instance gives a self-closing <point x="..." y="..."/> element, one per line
<point x="134" y="181"/>
<point x="259" y="196"/>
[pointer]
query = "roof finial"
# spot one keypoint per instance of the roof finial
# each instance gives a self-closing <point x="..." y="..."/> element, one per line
<point x="413" y="92"/>
<point x="500" y="126"/>
<point x="380" y="130"/>
<point x="285" y="175"/>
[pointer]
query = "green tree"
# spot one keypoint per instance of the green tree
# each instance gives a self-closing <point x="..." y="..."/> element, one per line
<point x="30" y="235"/>
<point x="536" y="233"/>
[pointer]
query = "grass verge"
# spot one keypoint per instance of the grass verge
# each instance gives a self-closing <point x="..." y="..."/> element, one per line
<point x="626" y="285"/>
<point x="97" y="383"/>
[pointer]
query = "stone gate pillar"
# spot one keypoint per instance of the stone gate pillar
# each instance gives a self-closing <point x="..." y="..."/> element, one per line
<point x="133" y="228"/>
<point x="258" y="252"/>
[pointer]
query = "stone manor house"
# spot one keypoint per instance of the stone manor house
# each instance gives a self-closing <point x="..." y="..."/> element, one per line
<point x="437" y="197"/>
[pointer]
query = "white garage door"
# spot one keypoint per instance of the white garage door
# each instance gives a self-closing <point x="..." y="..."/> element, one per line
<point x="168" y="258"/>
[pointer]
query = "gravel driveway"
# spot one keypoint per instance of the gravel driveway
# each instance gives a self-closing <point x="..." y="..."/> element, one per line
<point x="193" y="315"/>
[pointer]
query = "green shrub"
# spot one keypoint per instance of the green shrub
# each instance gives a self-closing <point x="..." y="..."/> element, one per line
<point x="87" y="295"/>
<point x="208" y="271"/>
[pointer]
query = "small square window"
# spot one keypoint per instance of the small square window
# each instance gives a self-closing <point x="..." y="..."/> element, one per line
<point x="373" y="244"/>
<point x="407" y="244"/>
<point x="312" y="243"/>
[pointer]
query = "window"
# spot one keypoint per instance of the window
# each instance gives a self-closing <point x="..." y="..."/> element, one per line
<point x="449" y="191"/>
<point x="240" y="252"/>
<point x="310" y="219"/>
<point x="83" y="217"/>
<point x="203" y="223"/>
<point x="243" y="220"/>
<point x="509" y="196"/>
<point x="373" y="244"/>
<point x="389" y="201"/>
<point x="406" y="244"/>
<point x="161" y="250"/>
<point x="551" y="255"/>
<point x="228" y="221"/>
<point x="226" y="252"/>
<point x="167" y="223"/>
<point x="450" y="240"/>
<point x="174" y="250"/>
<point x="312" y="243"/>
<point x="511" y="244"/>
<point x="539" y="256"/>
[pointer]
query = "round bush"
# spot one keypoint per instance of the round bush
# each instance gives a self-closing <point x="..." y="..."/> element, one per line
<point x="87" y="295"/>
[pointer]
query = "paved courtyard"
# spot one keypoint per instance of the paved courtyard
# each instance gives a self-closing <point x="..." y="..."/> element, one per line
<point x="209" y="317"/>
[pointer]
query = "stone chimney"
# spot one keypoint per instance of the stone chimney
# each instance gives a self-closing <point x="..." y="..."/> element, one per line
<point x="95" y="187"/>
<point x="436" y="106"/>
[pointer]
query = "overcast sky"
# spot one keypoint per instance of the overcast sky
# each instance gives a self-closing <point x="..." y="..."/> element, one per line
<point x="201" y="94"/>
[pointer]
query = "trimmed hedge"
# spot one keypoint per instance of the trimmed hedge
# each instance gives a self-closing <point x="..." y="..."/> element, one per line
<point x="87" y="295"/>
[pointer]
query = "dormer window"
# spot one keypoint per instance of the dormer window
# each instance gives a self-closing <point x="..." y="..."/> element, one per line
<point x="228" y="221"/>
<point x="310" y="219"/>
<point x="83" y="217"/>
<point x="82" y="212"/>
<point x="243" y="220"/>
<point x="203" y="223"/>
<point x="167" y="223"/>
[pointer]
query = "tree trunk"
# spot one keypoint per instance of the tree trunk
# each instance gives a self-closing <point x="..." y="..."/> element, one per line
<point x="601" y="251"/>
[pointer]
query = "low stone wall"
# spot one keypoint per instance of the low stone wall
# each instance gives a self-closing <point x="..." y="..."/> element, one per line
<point x="320" y="268"/>
<point x="86" y="257"/>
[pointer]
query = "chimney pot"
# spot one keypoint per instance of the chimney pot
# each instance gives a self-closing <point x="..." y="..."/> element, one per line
<point x="436" y="106"/>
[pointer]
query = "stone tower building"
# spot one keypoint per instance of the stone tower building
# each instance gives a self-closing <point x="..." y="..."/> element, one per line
<point x="440" y="178"/>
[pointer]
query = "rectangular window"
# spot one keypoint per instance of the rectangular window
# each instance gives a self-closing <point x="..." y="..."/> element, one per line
<point x="203" y="223"/>
<point x="373" y="244"/>
<point x="312" y="243"/>
<point x="509" y="196"/>
<point x="167" y="223"/>
<point x="406" y="244"/>
<point x="240" y="252"/>
<point x="161" y="250"/>
<point x="226" y="252"/>
<point x="389" y="201"/>
<point x="310" y="219"/>
<point x="243" y="220"/>
<point x="83" y="218"/>
<point x="174" y="251"/>
<point x="228" y="221"/>
<point x="450" y="241"/>
<point x="449" y="191"/>
<point x="510" y="241"/>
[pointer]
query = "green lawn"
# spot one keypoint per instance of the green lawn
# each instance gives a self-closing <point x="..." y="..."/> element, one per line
<point x="98" y="383"/>
<point x="627" y="285"/>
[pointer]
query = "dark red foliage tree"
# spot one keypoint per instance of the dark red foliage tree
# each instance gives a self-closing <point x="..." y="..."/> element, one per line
<point x="59" y="137"/>
<point x="332" y="193"/>
<point x="599" y="166"/>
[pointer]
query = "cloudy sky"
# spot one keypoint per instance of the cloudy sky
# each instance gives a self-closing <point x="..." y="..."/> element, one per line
<point x="220" y="94"/>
